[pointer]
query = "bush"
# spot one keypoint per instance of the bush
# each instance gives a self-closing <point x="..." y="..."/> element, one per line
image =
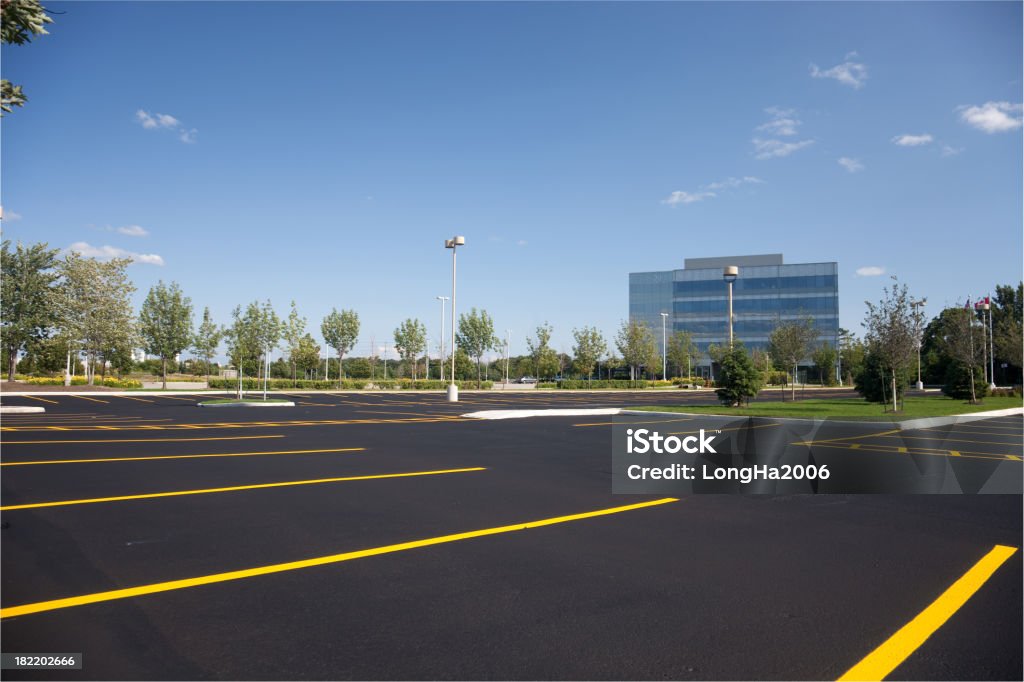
<point x="1006" y="392"/>
<point x="109" y="382"/>
<point x="775" y="378"/>
<point x="874" y="382"/>
<point x="252" y="384"/>
<point x="688" y="381"/>
<point x="958" y="382"/>
<point x="739" y="380"/>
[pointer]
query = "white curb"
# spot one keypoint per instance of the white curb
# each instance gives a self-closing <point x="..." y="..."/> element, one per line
<point x="519" y="414"/>
<point x="19" y="409"/>
<point x="247" y="404"/>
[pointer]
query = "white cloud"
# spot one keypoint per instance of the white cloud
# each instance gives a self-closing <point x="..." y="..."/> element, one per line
<point x="870" y="271"/>
<point x="167" y="122"/>
<point x="11" y="217"/>
<point x="992" y="117"/>
<point x="679" y="197"/>
<point x="735" y="182"/>
<point x="852" y="165"/>
<point x="133" y="231"/>
<point x="107" y="252"/>
<point x="770" y="149"/>
<point x="951" y="151"/>
<point x="784" y="122"/>
<point x="848" y="73"/>
<point x="912" y="140"/>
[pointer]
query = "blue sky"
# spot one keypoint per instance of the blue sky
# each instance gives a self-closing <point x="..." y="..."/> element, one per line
<point x="322" y="152"/>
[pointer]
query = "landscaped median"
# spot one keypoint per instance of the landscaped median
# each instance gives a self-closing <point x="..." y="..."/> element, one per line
<point x="247" y="402"/>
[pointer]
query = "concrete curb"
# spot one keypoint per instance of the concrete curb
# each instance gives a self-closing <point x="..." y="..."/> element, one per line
<point x="248" y="404"/>
<point x="16" y="409"/>
<point x="554" y="412"/>
<point x="906" y="425"/>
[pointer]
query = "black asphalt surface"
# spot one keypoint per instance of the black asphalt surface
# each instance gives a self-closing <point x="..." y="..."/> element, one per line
<point x="709" y="587"/>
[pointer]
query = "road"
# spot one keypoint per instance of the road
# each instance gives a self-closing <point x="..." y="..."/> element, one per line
<point x="382" y="536"/>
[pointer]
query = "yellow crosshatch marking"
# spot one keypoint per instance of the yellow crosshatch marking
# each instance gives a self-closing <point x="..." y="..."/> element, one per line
<point x="892" y="449"/>
<point x="256" y="486"/>
<point x="154" y="588"/>
<point x="160" y="457"/>
<point x="891" y="653"/>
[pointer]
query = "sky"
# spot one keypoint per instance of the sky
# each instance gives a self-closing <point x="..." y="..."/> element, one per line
<point x="322" y="152"/>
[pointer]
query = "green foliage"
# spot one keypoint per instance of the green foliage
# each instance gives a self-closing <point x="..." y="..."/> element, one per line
<point x="411" y="341"/>
<point x="893" y="328"/>
<point x="207" y="339"/>
<point x="789" y="343"/>
<point x="252" y="384"/>
<point x="340" y="331"/>
<point x="165" y="322"/>
<point x="962" y="340"/>
<point x="27" y="305"/>
<point x="292" y="332"/>
<point x="824" y="357"/>
<point x="636" y="343"/>
<point x="958" y="382"/>
<point x="306" y="355"/>
<point x="682" y="351"/>
<point x="109" y="382"/>
<point x="738" y="379"/>
<point x="874" y="380"/>
<point x="590" y="347"/>
<point x="476" y="336"/>
<point x="543" y="356"/>
<point x="21" y="20"/>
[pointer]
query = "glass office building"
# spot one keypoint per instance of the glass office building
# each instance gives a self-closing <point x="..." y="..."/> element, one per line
<point x="766" y="293"/>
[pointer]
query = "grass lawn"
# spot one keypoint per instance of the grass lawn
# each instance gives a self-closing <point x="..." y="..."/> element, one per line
<point x="235" y="401"/>
<point x="851" y="408"/>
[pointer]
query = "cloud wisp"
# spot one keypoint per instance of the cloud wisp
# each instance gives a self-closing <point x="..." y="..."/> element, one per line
<point x="107" y="252"/>
<point x="158" y="121"/>
<point x="870" y="271"/>
<point x="782" y="123"/>
<point x="133" y="231"/>
<point x="992" y="117"/>
<point x="913" y="140"/>
<point x="849" y="72"/>
<point x="709" y="191"/>
<point x="851" y="165"/>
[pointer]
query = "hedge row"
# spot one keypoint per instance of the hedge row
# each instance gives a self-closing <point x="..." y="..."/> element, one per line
<point x="109" y="382"/>
<point x="577" y="384"/>
<point x="346" y="384"/>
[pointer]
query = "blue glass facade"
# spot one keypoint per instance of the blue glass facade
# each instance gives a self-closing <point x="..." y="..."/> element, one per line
<point x="766" y="293"/>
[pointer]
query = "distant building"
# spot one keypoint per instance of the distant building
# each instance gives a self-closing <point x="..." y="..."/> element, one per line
<point x="766" y="293"/>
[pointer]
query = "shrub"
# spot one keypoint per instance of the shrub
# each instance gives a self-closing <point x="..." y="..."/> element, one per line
<point x="1006" y="392"/>
<point x="958" y="382"/>
<point x="874" y="382"/>
<point x="252" y="384"/>
<point x="739" y="380"/>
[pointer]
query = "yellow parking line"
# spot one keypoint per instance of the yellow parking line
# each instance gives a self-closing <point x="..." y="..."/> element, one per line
<point x="141" y="400"/>
<point x="133" y="440"/>
<point x="157" y="457"/>
<point x="175" y="397"/>
<point x="204" y="491"/>
<point x="95" y="400"/>
<point x="896" y="649"/>
<point x="660" y="421"/>
<point x="891" y="449"/>
<point x="1013" y="457"/>
<point x="954" y="453"/>
<point x="42" y="400"/>
<point x="154" y="588"/>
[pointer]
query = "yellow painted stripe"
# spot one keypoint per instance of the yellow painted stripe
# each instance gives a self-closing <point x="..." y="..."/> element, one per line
<point x="659" y="421"/>
<point x="134" y="440"/>
<point x="907" y="639"/>
<point x="154" y="588"/>
<point x="1015" y="458"/>
<point x="141" y="400"/>
<point x="157" y="457"/>
<point x="954" y="453"/>
<point x="257" y="486"/>
<point x="901" y="450"/>
<point x="95" y="400"/>
<point x="42" y="400"/>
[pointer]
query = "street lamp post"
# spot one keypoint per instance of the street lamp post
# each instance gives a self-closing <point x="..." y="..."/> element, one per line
<point x="508" y="345"/>
<point x="453" y="244"/>
<point x="730" y="274"/>
<point x="917" y="322"/>
<point x="991" y="346"/>
<point x="440" y="360"/>
<point x="664" y="349"/>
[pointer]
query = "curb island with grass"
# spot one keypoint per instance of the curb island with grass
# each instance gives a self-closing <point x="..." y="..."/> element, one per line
<point x="247" y="402"/>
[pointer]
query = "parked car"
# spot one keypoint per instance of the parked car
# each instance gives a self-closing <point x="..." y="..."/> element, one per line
<point x="526" y="380"/>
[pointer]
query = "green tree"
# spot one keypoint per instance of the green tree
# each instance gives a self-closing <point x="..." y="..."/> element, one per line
<point x="268" y="333"/>
<point x="27" y="303"/>
<point x="636" y="343"/>
<point x="476" y="337"/>
<point x="94" y="308"/>
<point x="824" y="357"/>
<point x="306" y="355"/>
<point x="292" y="332"/>
<point x="165" y="323"/>
<point x="682" y="349"/>
<point x="543" y="356"/>
<point x="590" y="347"/>
<point x="340" y="331"/>
<point x="1007" y="309"/>
<point x="738" y="379"/>
<point x="789" y="343"/>
<point x="410" y="341"/>
<point x="962" y="341"/>
<point x="892" y="333"/>
<point x="206" y="340"/>
<point x="21" y="20"/>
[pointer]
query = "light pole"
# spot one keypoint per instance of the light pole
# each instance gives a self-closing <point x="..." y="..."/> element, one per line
<point x="917" y="322"/>
<point x="508" y="342"/>
<point x="730" y="274"/>
<point x="664" y="349"/>
<point x="991" y="346"/>
<point x="453" y="244"/>
<point x="440" y="360"/>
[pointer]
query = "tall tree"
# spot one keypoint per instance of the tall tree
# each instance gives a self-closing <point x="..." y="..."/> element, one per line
<point x="636" y="343"/>
<point x="94" y="308"/>
<point x="269" y="334"/>
<point x="590" y="347"/>
<point x="892" y="333"/>
<point x="306" y="355"/>
<point x="544" y="357"/>
<point x="963" y="340"/>
<point x="27" y="303"/>
<point x="165" y="323"/>
<point x="410" y="341"/>
<point x="824" y="357"/>
<point x="739" y="380"/>
<point x="789" y="343"/>
<point x="293" y="331"/>
<point x="207" y="339"/>
<point x="476" y="337"/>
<point x="682" y="350"/>
<point x="1007" y="338"/>
<point x="340" y="331"/>
<point x="21" y="20"/>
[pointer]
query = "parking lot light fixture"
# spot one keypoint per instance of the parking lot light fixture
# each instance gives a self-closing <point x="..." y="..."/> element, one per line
<point x="664" y="348"/>
<point x="730" y="273"/>
<point x="453" y="244"/>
